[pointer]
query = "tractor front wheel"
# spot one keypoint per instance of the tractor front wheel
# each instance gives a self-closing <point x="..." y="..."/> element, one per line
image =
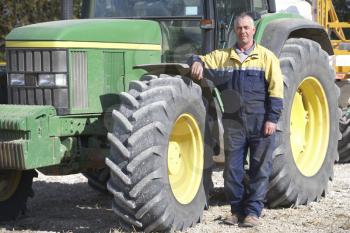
<point x="15" y="188"/>
<point x="158" y="163"/>
<point x="344" y="124"/>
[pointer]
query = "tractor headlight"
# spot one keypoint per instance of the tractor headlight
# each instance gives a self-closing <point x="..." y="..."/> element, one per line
<point x="46" y="80"/>
<point x="61" y="80"/>
<point x="51" y="80"/>
<point x="17" y="80"/>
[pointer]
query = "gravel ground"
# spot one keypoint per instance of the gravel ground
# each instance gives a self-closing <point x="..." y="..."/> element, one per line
<point x="68" y="204"/>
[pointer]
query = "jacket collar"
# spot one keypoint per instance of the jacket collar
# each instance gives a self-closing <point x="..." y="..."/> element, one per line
<point x="253" y="54"/>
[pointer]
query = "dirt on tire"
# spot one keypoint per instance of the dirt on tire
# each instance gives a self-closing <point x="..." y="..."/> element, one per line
<point x="68" y="204"/>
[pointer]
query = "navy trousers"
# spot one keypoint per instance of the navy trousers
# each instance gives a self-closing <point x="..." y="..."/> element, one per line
<point x="242" y="135"/>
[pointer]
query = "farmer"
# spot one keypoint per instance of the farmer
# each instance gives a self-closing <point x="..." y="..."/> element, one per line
<point x="251" y="85"/>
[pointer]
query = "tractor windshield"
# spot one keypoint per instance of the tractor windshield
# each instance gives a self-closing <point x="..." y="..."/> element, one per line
<point x="179" y="21"/>
<point x="147" y="8"/>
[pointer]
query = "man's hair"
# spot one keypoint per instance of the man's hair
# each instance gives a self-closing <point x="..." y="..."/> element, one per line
<point x="242" y="16"/>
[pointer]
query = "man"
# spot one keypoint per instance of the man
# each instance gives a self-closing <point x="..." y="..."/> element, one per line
<point x="251" y="85"/>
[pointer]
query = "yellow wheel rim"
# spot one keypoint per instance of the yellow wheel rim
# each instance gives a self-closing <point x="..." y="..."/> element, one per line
<point x="185" y="158"/>
<point x="9" y="181"/>
<point x="309" y="126"/>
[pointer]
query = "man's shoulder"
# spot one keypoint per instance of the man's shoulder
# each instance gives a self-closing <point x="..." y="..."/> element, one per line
<point x="221" y="51"/>
<point x="265" y="51"/>
<point x="218" y="54"/>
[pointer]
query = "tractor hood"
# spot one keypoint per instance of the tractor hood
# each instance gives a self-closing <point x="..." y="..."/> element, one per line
<point x="91" y="30"/>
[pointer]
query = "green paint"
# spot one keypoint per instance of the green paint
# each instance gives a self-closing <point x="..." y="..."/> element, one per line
<point x="109" y="73"/>
<point x="266" y="20"/>
<point x="76" y="125"/>
<point x="42" y="135"/>
<point x="40" y="138"/>
<point x="91" y="30"/>
<point x="133" y="58"/>
<point x="113" y="71"/>
<point x="27" y="128"/>
<point x="44" y="139"/>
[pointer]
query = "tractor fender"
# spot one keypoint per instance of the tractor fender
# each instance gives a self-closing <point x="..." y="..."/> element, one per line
<point x="166" y="68"/>
<point x="278" y="31"/>
<point x="215" y="109"/>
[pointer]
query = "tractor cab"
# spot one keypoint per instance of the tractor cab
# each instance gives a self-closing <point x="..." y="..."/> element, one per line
<point x="187" y="26"/>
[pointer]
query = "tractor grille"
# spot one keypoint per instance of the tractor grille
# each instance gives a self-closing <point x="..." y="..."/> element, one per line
<point x="79" y="79"/>
<point x="11" y="155"/>
<point x="12" y="144"/>
<point x="32" y="64"/>
<point x="10" y="135"/>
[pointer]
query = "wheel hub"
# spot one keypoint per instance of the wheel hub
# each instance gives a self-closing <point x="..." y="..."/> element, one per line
<point x="298" y="124"/>
<point x="309" y="126"/>
<point x="174" y="159"/>
<point x="185" y="158"/>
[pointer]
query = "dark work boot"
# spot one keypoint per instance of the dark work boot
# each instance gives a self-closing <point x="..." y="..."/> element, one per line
<point x="232" y="219"/>
<point x="250" y="221"/>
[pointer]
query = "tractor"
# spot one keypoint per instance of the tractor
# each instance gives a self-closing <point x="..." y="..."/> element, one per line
<point x="110" y="96"/>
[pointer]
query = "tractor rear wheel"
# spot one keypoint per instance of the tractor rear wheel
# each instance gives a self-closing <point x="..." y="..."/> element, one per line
<point x="344" y="143"/>
<point x="308" y="130"/>
<point x="344" y="124"/>
<point x="15" y="188"/>
<point x="158" y="163"/>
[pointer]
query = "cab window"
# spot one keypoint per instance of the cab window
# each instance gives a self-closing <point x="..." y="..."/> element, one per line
<point x="226" y="11"/>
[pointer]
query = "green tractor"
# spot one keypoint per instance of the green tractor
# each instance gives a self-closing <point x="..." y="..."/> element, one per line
<point x="109" y="96"/>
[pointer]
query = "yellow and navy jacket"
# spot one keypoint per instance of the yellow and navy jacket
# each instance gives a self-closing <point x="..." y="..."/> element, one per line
<point x="252" y="86"/>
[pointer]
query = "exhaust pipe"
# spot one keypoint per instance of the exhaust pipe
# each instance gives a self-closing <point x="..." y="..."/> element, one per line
<point x="66" y="9"/>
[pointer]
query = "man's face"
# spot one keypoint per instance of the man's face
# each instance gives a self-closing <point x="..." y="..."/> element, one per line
<point x="244" y="31"/>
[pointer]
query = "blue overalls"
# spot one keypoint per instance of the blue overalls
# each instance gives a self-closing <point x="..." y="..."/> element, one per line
<point x="252" y="93"/>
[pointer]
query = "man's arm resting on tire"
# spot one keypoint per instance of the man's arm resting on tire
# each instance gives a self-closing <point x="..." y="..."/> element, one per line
<point x="197" y="70"/>
<point x="209" y="65"/>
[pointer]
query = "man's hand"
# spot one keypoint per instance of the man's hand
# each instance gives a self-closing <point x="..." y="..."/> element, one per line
<point x="197" y="70"/>
<point x="269" y="128"/>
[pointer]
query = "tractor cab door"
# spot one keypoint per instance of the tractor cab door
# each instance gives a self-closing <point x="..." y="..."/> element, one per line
<point x="181" y="34"/>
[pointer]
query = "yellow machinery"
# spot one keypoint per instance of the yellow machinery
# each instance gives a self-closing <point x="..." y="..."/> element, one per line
<point x="326" y="15"/>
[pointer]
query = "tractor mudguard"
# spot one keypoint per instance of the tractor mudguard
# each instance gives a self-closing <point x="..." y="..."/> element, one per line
<point x="276" y="32"/>
<point x="166" y="68"/>
<point x="215" y="109"/>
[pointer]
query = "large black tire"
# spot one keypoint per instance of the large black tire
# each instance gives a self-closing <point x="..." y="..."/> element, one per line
<point x="290" y="185"/>
<point x="344" y="143"/>
<point x="97" y="179"/>
<point x="143" y="123"/>
<point x="15" y="205"/>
